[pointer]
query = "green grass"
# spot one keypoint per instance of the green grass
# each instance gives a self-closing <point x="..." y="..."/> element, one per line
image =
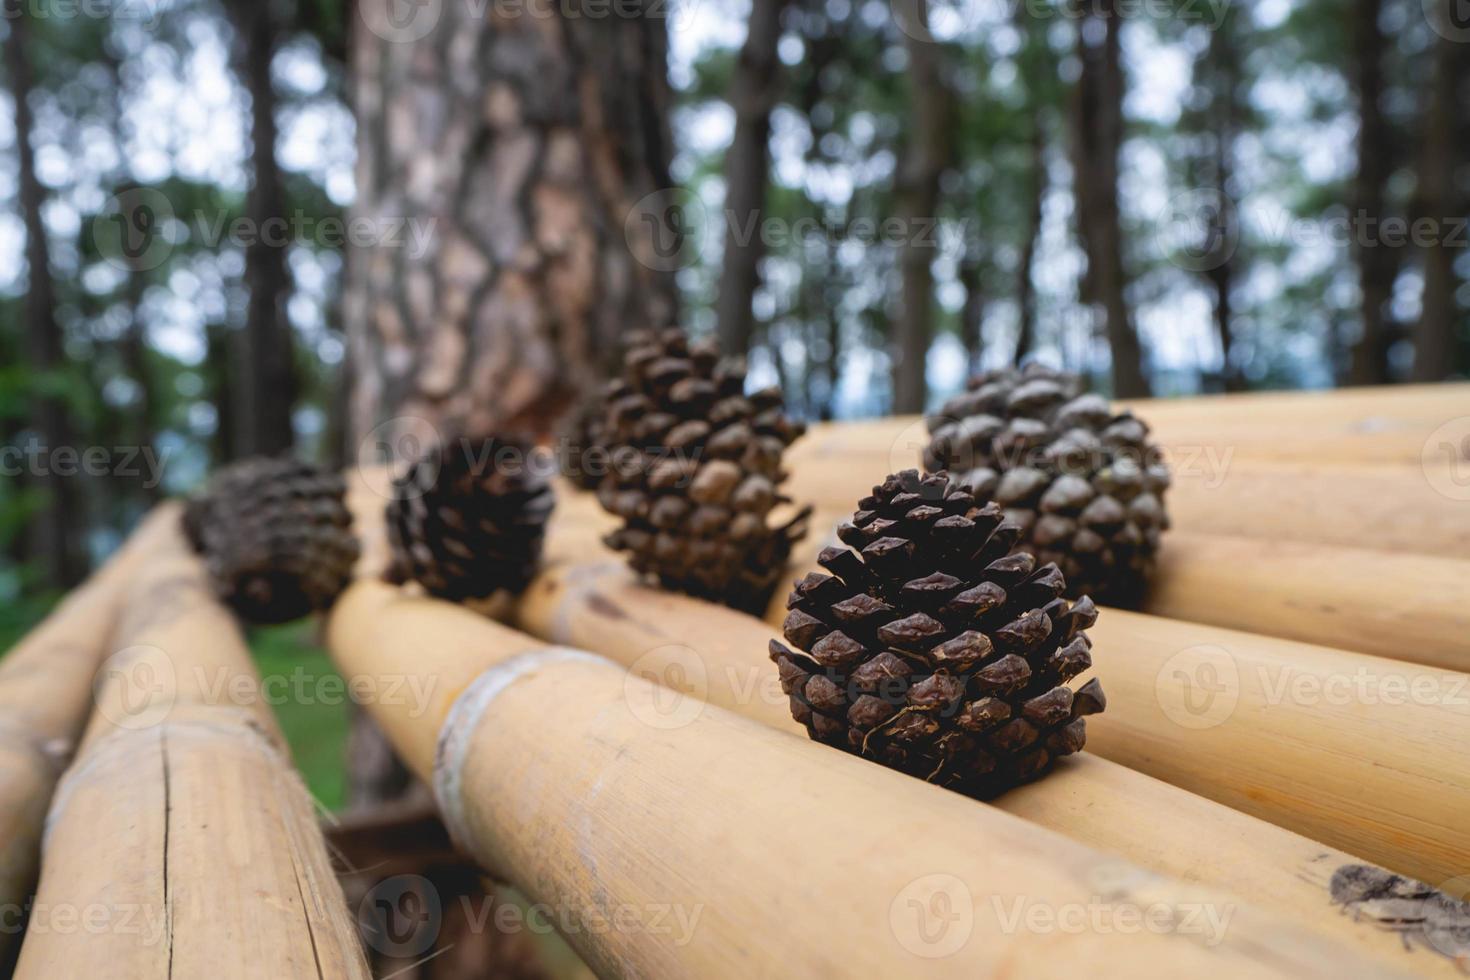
<point x="315" y="726"/>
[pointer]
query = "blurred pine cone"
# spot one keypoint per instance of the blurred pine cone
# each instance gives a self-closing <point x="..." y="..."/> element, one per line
<point x="584" y="455"/>
<point x="1085" y="485"/>
<point x="468" y="518"/>
<point x="276" y="536"/>
<point x="935" y="648"/>
<point x="696" y="466"/>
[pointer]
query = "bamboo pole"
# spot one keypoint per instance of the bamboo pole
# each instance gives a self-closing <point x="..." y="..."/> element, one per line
<point x="1391" y="425"/>
<point x="45" y="693"/>
<point x="1401" y="606"/>
<point x="180" y="842"/>
<point x="1416" y="507"/>
<point x="716" y="655"/>
<point x="1353" y="750"/>
<point x="713" y="846"/>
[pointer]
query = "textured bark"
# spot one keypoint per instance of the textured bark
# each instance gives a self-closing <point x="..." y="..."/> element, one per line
<point x="1098" y="139"/>
<point x="1437" y="199"/>
<point x="1376" y="266"/>
<point x="53" y="542"/>
<point x="917" y="200"/>
<point x="265" y="373"/>
<point x="517" y="149"/>
<point x="754" y="89"/>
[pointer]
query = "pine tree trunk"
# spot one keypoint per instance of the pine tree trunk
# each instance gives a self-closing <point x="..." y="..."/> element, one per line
<point x="1025" y="288"/>
<point x="754" y="90"/>
<point x="916" y="207"/>
<point x="972" y="311"/>
<point x="265" y="380"/>
<point x="53" y="542"/>
<point x="506" y="165"/>
<point x="1376" y="268"/>
<point x="1098" y="138"/>
<point x="1225" y="112"/>
<point x="1438" y="201"/>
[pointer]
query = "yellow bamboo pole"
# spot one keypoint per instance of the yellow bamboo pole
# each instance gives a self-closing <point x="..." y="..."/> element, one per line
<point x="1353" y="750"/>
<point x="713" y="846"/>
<point x="1414" y="507"/>
<point x="1402" y="606"/>
<point x="718" y="656"/>
<point x="180" y="842"/>
<point x="45" y="693"/>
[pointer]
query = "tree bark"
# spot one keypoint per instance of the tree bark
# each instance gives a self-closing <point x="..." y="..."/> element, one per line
<point x="265" y="379"/>
<point x="1225" y="112"/>
<point x="1437" y="200"/>
<point x="54" y="544"/>
<point x="1098" y="139"/>
<point x="521" y="152"/>
<point x="1376" y="267"/>
<point x="972" y="311"/>
<point x="916" y="205"/>
<point x="1025" y="288"/>
<point x="754" y="89"/>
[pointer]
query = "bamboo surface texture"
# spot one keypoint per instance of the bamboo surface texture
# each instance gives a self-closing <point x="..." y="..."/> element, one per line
<point x="715" y="846"/>
<point x="1354" y="750"/>
<point x="1419" y="507"/>
<point x="45" y="694"/>
<point x="1411" y="607"/>
<point x="717" y="655"/>
<point x="180" y="842"/>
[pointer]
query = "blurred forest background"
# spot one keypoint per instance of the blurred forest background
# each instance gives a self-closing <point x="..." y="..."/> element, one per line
<point x="1173" y="196"/>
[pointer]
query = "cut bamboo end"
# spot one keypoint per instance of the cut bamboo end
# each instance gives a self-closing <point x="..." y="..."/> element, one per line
<point x="713" y="654"/>
<point x="181" y="842"/>
<point x="886" y="892"/>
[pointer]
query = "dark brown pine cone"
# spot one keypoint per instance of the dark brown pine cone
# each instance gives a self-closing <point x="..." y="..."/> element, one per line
<point x="584" y="453"/>
<point x="1085" y="485"/>
<point x="468" y="518"/>
<point x="696" y="469"/>
<point x="276" y="537"/>
<point x="935" y="648"/>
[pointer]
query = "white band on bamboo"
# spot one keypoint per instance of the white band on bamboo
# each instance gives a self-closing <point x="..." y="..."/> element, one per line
<point x="464" y="719"/>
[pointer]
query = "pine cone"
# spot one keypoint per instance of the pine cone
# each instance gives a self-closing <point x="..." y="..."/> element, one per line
<point x="584" y="453"/>
<point x="468" y="518"/>
<point x="276" y="536"/>
<point x="935" y="648"/>
<point x="696" y="464"/>
<point x="1085" y="485"/>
